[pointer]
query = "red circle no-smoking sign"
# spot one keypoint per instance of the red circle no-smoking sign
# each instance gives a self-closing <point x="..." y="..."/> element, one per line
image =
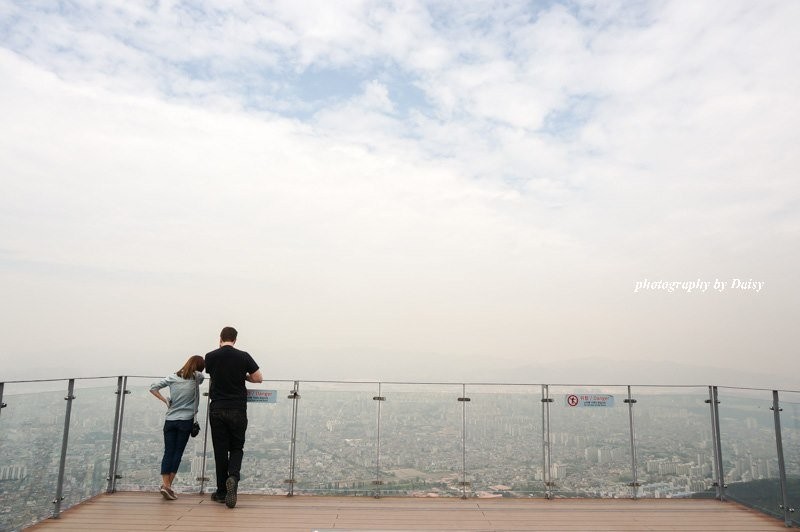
<point x="572" y="400"/>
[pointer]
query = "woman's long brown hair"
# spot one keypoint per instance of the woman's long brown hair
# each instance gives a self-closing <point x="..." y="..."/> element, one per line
<point x="195" y="363"/>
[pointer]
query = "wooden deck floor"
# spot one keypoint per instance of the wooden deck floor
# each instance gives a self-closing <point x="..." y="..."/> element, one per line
<point x="197" y="513"/>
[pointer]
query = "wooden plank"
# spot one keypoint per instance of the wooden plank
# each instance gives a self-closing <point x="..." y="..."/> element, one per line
<point x="148" y="511"/>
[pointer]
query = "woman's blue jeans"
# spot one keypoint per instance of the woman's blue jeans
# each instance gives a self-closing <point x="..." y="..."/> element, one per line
<point x="176" y="434"/>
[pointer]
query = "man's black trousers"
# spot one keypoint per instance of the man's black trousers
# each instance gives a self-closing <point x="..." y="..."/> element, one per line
<point x="228" y="427"/>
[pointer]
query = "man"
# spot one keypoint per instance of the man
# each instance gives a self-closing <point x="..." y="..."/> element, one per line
<point x="229" y="368"/>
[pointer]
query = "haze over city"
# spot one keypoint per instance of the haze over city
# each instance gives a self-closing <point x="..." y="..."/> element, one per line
<point x="443" y="191"/>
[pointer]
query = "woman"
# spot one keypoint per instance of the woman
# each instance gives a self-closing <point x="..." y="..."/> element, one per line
<point x="181" y="409"/>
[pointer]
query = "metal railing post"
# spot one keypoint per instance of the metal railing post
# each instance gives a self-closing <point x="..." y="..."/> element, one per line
<point x="776" y="413"/>
<point x="64" y="443"/>
<point x="294" y="395"/>
<point x="546" y="400"/>
<point x="203" y="478"/>
<point x="112" y="462"/>
<point x="378" y="482"/>
<point x="464" y="400"/>
<point x="114" y="474"/>
<point x="2" y="404"/>
<point x="713" y="402"/>
<point x="635" y="483"/>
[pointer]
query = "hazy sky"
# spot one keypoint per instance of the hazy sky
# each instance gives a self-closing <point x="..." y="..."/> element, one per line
<point x="435" y="190"/>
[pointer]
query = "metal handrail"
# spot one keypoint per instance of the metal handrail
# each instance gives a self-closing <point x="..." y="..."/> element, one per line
<point x="439" y="383"/>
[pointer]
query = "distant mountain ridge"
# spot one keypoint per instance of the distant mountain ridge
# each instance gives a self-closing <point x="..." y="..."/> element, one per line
<point x="431" y="367"/>
<point x="639" y="372"/>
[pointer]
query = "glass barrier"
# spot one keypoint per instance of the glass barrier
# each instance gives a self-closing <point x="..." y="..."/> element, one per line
<point x="504" y="441"/>
<point x="590" y="442"/>
<point x="90" y="436"/>
<point x="421" y="440"/>
<point x="336" y="439"/>
<point x="749" y="451"/>
<point x="674" y="443"/>
<point x="267" y="448"/>
<point x="790" y="433"/>
<point x="31" y="430"/>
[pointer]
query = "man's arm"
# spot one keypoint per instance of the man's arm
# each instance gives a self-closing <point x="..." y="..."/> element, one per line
<point x="255" y="378"/>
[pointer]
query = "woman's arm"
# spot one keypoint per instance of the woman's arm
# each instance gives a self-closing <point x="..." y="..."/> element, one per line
<point x="160" y="397"/>
<point x="155" y="388"/>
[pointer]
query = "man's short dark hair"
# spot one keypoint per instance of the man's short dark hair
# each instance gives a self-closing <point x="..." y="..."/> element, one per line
<point x="228" y="334"/>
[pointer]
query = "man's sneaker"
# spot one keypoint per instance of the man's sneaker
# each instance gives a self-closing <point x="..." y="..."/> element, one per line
<point x="231" y="485"/>
<point x="218" y="497"/>
<point x="171" y="494"/>
<point x="165" y="492"/>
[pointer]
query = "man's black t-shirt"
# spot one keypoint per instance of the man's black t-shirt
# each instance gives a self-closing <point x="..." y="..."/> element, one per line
<point x="228" y="367"/>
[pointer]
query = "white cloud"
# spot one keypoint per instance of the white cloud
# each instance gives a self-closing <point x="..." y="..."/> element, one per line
<point x="558" y="156"/>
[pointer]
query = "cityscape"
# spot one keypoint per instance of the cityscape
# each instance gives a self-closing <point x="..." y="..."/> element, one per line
<point x="433" y="443"/>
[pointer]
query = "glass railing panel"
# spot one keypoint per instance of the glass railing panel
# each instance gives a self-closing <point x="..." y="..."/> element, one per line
<point x="674" y="443"/>
<point x="268" y="442"/>
<point x="591" y="454"/>
<point x="421" y="441"/>
<point x="31" y="430"/>
<point x="336" y="439"/>
<point x="90" y="436"/>
<point x="504" y="441"/>
<point x="790" y="435"/>
<point x="749" y="450"/>
<point x="142" y="442"/>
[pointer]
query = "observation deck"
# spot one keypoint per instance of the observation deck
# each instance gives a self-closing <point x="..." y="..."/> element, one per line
<point x="192" y="513"/>
<point x="84" y="454"/>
